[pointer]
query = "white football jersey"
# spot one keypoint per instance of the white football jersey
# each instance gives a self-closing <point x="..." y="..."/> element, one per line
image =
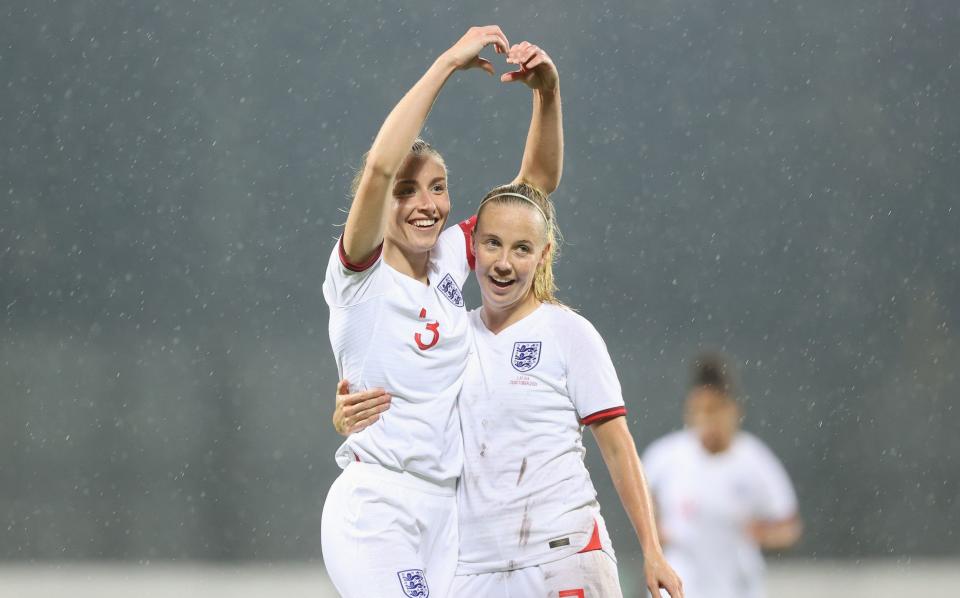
<point x="389" y="330"/>
<point x="525" y="496"/>
<point x="704" y="504"/>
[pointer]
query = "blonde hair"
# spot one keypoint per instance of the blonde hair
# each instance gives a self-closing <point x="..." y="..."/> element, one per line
<point x="544" y="286"/>
<point x="419" y="148"/>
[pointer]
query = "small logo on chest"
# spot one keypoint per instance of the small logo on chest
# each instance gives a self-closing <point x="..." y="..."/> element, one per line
<point x="414" y="583"/>
<point x="525" y="356"/>
<point x="450" y="290"/>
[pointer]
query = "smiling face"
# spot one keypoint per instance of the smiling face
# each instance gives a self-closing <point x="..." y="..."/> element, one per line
<point x="509" y="243"/>
<point x="420" y="205"/>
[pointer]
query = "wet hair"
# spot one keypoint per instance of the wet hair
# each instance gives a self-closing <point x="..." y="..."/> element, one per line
<point x="710" y="370"/>
<point x="544" y="286"/>
<point x="419" y="148"/>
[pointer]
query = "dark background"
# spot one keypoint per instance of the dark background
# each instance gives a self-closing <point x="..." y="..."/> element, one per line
<point x="775" y="179"/>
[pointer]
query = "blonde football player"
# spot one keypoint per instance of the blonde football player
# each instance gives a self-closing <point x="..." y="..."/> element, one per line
<point x="721" y="494"/>
<point x="530" y="524"/>
<point x="397" y="319"/>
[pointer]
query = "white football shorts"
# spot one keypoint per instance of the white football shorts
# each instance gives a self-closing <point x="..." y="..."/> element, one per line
<point x="388" y="534"/>
<point x="583" y="575"/>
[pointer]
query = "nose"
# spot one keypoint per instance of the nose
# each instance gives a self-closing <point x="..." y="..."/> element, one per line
<point x="426" y="202"/>
<point x="502" y="265"/>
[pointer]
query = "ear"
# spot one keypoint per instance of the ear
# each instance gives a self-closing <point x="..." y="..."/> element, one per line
<point x="545" y="254"/>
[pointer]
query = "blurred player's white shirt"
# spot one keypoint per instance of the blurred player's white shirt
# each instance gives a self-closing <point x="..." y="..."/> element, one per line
<point x="389" y="330"/>
<point x="705" y="503"/>
<point x="527" y="393"/>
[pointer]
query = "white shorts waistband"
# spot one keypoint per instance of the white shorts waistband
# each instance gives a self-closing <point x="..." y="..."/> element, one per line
<point x="374" y="471"/>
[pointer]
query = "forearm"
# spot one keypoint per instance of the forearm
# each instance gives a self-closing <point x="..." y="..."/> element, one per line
<point x="777" y="535"/>
<point x="406" y="120"/>
<point x="542" y="164"/>
<point x="626" y="471"/>
<point x="367" y="217"/>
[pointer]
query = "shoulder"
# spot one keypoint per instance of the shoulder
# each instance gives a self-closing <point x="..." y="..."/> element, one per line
<point x="569" y="324"/>
<point x="756" y="450"/>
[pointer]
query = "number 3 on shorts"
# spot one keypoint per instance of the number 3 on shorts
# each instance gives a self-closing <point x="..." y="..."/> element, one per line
<point x="571" y="594"/>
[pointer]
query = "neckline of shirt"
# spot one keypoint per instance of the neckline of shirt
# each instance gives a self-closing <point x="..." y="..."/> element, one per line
<point x="499" y="335"/>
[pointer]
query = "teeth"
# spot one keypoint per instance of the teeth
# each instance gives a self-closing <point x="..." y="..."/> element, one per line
<point x="500" y="280"/>
<point x="425" y="223"/>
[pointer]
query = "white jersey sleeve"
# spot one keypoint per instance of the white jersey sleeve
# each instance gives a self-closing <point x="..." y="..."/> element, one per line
<point x="348" y="283"/>
<point x="776" y="499"/>
<point x="592" y="381"/>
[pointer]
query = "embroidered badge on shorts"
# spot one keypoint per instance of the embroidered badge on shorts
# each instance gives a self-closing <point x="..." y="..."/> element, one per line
<point x="450" y="290"/>
<point x="414" y="584"/>
<point x="525" y="356"/>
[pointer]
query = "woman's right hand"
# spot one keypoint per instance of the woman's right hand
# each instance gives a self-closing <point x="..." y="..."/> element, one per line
<point x="465" y="54"/>
<point x="355" y="411"/>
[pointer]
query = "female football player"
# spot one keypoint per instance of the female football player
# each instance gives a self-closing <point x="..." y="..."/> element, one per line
<point x="397" y="320"/>
<point x="721" y="494"/>
<point x="530" y="524"/>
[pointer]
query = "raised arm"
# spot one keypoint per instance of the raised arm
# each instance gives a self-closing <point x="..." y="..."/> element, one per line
<point x="366" y="221"/>
<point x="542" y="164"/>
<point x="620" y="455"/>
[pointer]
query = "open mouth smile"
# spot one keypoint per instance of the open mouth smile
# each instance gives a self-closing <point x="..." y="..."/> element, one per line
<point x="501" y="283"/>
<point x="424" y="223"/>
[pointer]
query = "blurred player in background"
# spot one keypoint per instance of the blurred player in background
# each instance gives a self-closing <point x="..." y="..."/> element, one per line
<point x="397" y="320"/>
<point x="721" y="495"/>
<point x="530" y="523"/>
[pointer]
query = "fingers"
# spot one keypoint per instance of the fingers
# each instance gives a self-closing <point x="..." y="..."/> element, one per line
<point x="355" y="410"/>
<point x="350" y="401"/>
<point x="673" y="587"/>
<point x="343" y="387"/>
<point x="500" y="39"/>
<point x="359" y="410"/>
<point x="367" y="417"/>
<point x="522" y="53"/>
<point x="486" y="66"/>
<point x="490" y="35"/>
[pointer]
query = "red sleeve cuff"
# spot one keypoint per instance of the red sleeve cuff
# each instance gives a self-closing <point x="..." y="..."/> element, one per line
<point x="467" y="226"/>
<point x="361" y="266"/>
<point x="602" y="416"/>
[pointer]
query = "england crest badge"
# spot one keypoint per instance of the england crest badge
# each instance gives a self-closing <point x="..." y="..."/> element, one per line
<point x="414" y="584"/>
<point x="525" y="356"/>
<point x="451" y="291"/>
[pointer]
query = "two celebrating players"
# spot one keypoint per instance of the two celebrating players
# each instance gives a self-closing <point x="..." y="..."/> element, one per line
<point x="494" y="398"/>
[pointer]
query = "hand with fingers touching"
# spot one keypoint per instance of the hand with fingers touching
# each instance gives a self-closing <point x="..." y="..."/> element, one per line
<point x="465" y="54"/>
<point x="660" y="574"/>
<point x="536" y="69"/>
<point x="358" y="410"/>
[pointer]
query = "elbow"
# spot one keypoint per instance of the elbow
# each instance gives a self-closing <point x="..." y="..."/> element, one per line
<point x="551" y="186"/>
<point x="378" y="166"/>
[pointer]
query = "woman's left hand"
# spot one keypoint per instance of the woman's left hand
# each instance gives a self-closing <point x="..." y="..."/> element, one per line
<point x="660" y="574"/>
<point x="536" y="71"/>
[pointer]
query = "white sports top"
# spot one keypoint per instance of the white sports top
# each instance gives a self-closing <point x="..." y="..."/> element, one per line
<point x="392" y="331"/>
<point x="704" y="504"/>
<point x="526" y="497"/>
